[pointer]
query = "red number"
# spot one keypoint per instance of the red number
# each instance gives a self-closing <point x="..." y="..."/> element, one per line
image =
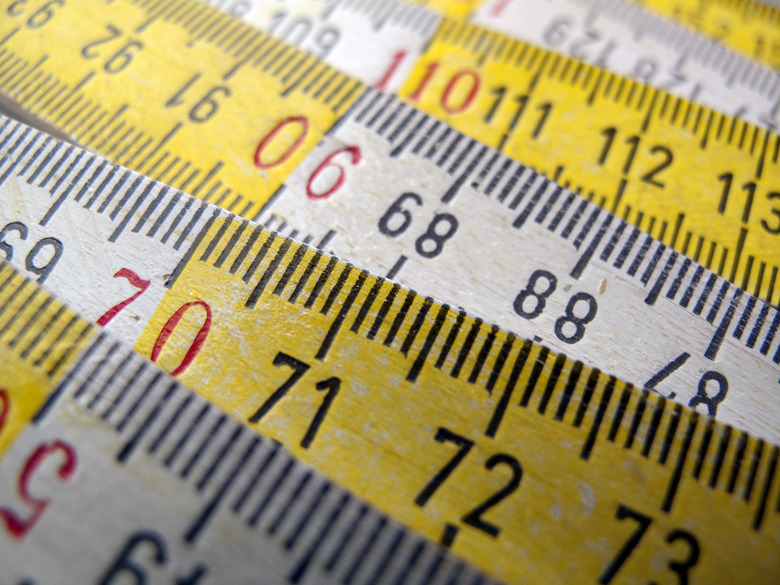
<point x="499" y="7"/>
<point x="356" y="158"/>
<point x="197" y="344"/>
<point x="445" y="98"/>
<point x="17" y="526"/>
<point x="415" y="97"/>
<point x="300" y="120"/>
<point x="135" y="281"/>
<point x="396" y="62"/>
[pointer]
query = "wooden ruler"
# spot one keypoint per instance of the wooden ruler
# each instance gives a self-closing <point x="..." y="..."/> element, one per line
<point x="496" y="447"/>
<point x="718" y="171"/>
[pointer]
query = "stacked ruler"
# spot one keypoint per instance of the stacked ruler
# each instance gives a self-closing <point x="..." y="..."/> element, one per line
<point x="593" y="246"/>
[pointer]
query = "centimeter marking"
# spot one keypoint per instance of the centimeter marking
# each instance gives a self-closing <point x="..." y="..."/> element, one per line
<point x="553" y="437"/>
<point x="159" y="468"/>
<point x="625" y="39"/>
<point x="610" y="34"/>
<point x="567" y="274"/>
<point x="707" y="196"/>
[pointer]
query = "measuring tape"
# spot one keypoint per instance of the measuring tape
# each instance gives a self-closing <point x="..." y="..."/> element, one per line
<point x="182" y="88"/>
<point x="496" y="447"/>
<point x="752" y="28"/>
<point x="161" y="484"/>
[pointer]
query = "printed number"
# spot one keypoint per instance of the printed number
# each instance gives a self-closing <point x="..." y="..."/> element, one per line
<point x="206" y="106"/>
<point x="300" y="121"/>
<point x="680" y="568"/>
<point x="395" y="63"/>
<point x="522" y="101"/>
<point x="17" y="525"/>
<point x="119" y="59"/>
<point x="135" y="281"/>
<point x="37" y="17"/>
<point x="532" y="300"/>
<point x="749" y="188"/>
<point x="651" y="177"/>
<point x="540" y="297"/>
<point x="702" y="397"/>
<point x="142" y="559"/>
<point x="472" y="518"/>
<point x="355" y="159"/>
<point x="396" y="220"/>
<point x="43" y="248"/>
<point x="330" y="386"/>
<point x="197" y="343"/>
<point x="300" y="32"/>
<point x="578" y="322"/>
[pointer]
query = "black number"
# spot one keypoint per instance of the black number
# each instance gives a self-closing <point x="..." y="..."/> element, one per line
<point x="120" y="59"/>
<point x="578" y="322"/>
<point x="299" y="368"/>
<point x="331" y="386"/>
<point x="474" y="518"/>
<point x="546" y="108"/>
<point x="37" y="17"/>
<point x="499" y="92"/>
<point x="711" y="402"/>
<point x="681" y="568"/>
<point x="643" y="523"/>
<point x="396" y="209"/>
<point x="50" y="249"/>
<point x="633" y="142"/>
<point x="464" y="446"/>
<point x="557" y="33"/>
<point x="668" y="159"/>
<point x="540" y="295"/>
<point x="749" y="188"/>
<point x="437" y="239"/>
<point x="776" y="212"/>
<point x="298" y="32"/>
<point x="205" y="108"/>
<point x="19" y="228"/>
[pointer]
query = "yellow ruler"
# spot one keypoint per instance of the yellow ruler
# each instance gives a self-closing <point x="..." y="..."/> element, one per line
<point x="157" y="483"/>
<point x="499" y="449"/>
<point x="213" y="107"/>
<point x="749" y="27"/>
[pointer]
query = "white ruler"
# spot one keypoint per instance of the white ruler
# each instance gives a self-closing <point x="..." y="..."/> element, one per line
<point x="369" y="38"/>
<point x="461" y="223"/>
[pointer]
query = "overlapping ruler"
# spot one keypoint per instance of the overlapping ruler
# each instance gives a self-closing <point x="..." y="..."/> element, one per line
<point x="750" y="27"/>
<point x="526" y="451"/>
<point x="142" y="479"/>
<point x="743" y="229"/>
<point x="613" y="35"/>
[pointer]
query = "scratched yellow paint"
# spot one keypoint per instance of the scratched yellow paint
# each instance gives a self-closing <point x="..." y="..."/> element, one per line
<point x="157" y="76"/>
<point x="748" y="27"/>
<point x="562" y="134"/>
<point x="24" y="379"/>
<point x="379" y="436"/>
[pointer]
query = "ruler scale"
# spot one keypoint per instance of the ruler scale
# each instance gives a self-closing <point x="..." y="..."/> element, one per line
<point x="162" y="483"/>
<point x="498" y="448"/>
<point x="744" y="25"/>
<point x="575" y="277"/>
<point x="610" y="34"/>
<point x="738" y="205"/>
